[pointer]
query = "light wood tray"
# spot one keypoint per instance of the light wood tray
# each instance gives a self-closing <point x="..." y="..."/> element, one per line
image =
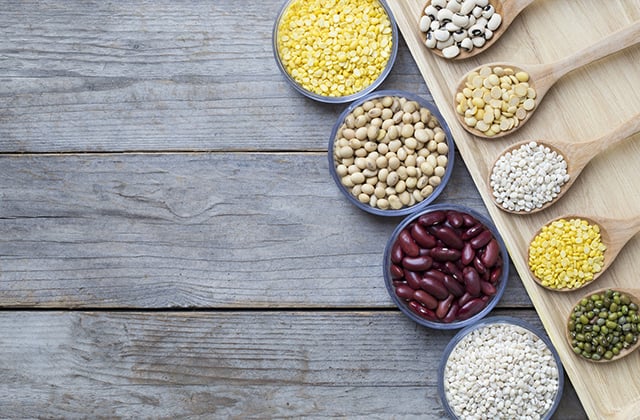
<point x="581" y="106"/>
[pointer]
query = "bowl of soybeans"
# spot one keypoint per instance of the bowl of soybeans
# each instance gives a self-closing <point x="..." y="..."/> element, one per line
<point x="391" y="153"/>
<point x="445" y="267"/>
<point x="335" y="51"/>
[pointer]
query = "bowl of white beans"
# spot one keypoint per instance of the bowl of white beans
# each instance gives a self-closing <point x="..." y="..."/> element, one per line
<point x="391" y="153"/>
<point x="335" y="54"/>
<point x="501" y="368"/>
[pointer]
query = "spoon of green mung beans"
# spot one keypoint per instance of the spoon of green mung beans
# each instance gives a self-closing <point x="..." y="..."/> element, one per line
<point x="498" y="98"/>
<point x="575" y="156"/>
<point x="604" y="326"/>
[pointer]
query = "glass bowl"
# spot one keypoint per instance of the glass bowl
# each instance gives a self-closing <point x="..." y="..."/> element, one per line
<point x="452" y="284"/>
<point x="514" y="365"/>
<point x="335" y="99"/>
<point x="421" y="148"/>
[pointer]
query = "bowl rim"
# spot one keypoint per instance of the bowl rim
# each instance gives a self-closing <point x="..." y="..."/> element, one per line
<point x="401" y="304"/>
<point x="493" y="320"/>
<point x="337" y="99"/>
<point x="450" y="154"/>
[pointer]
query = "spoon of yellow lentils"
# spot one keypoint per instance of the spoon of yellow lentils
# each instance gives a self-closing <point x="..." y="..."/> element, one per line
<point x="570" y="252"/>
<point x="496" y="99"/>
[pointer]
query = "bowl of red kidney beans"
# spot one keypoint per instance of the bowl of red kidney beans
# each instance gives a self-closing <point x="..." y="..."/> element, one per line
<point x="446" y="266"/>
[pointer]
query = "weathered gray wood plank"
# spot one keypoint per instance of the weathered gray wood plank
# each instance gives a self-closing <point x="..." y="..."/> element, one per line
<point x="192" y="230"/>
<point x="226" y="365"/>
<point x="123" y="76"/>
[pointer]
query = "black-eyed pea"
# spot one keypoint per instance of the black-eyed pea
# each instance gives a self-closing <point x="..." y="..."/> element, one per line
<point x="439" y="172"/>
<point x="368" y="189"/>
<point x="401" y="186"/>
<point x="357" y="178"/>
<point x="383" y="149"/>
<point x="397" y="117"/>
<point x="341" y="170"/>
<point x="411" y="143"/>
<point x="423" y="181"/>
<point x="356" y="190"/>
<point x="342" y="142"/>
<point x="348" y="133"/>
<point x="402" y="153"/>
<point x="364" y="198"/>
<point x="379" y="191"/>
<point x="432" y="145"/>
<point x="387" y="101"/>
<point x="373" y="179"/>
<point x="426" y="191"/>
<point x="432" y="159"/>
<point x="382" y="136"/>
<point x="405" y="198"/>
<point x="393" y="132"/>
<point x="370" y="146"/>
<point x="376" y="122"/>
<point x="361" y="162"/>
<point x="350" y="121"/>
<point x="407" y="118"/>
<point x="361" y="133"/>
<point x="345" y="152"/>
<point x="423" y="153"/>
<point x="442" y="148"/>
<point x="367" y="106"/>
<point x="352" y="169"/>
<point x="411" y="182"/>
<point x="386" y="114"/>
<point x="381" y="162"/>
<point x="442" y="161"/>
<point x="427" y="168"/>
<point x="361" y="121"/>
<point x="358" y="111"/>
<point x="415" y="117"/>
<point x="389" y="191"/>
<point x="395" y="145"/>
<point x="372" y="132"/>
<point x="346" y="181"/>
<point x="410" y="160"/>
<point x="373" y="201"/>
<point x="402" y="173"/>
<point x="434" y="181"/>
<point x="407" y="131"/>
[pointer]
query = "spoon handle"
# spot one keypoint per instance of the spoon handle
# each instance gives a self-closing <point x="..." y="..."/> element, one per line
<point x="620" y="231"/>
<point x="591" y="148"/>
<point x="608" y="45"/>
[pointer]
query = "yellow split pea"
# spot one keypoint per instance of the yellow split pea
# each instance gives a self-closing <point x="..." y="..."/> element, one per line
<point x="566" y="253"/>
<point x="334" y="47"/>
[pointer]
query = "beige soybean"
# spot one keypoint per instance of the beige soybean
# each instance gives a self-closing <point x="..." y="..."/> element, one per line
<point x="390" y="152"/>
<point x="495" y="100"/>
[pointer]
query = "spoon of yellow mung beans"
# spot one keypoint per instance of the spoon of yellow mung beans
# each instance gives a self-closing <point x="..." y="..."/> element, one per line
<point x="572" y="251"/>
<point x="528" y="177"/>
<point x="496" y="99"/>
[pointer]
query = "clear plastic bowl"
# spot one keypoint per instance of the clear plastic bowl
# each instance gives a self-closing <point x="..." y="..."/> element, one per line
<point x="431" y="106"/>
<point x="346" y="98"/>
<point x="493" y="321"/>
<point x="403" y="305"/>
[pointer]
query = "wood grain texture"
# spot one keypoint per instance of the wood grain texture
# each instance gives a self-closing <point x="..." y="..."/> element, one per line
<point x="226" y="365"/>
<point x="583" y="105"/>
<point x="193" y="230"/>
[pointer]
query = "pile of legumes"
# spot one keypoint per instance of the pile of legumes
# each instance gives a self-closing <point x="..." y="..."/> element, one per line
<point x="501" y="371"/>
<point x="334" y="47"/>
<point x="446" y="265"/>
<point x="495" y="99"/>
<point x="526" y="178"/>
<point x="603" y="325"/>
<point x="566" y="254"/>
<point x="390" y="152"/>
<point x="458" y="25"/>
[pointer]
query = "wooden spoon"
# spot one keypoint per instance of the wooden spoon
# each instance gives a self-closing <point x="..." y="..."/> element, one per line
<point x="543" y="76"/>
<point x="614" y="233"/>
<point x="576" y="155"/>
<point x="634" y="296"/>
<point x="507" y="9"/>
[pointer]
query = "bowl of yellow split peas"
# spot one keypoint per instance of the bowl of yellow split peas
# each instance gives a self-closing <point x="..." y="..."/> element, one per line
<point x="335" y="51"/>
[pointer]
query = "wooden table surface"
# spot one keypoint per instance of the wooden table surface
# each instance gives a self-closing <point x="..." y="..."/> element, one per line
<point x="171" y="242"/>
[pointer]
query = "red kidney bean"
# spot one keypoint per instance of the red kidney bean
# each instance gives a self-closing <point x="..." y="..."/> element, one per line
<point x="396" y="272"/>
<point x="422" y="237"/>
<point x="487" y="288"/>
<point x="443" y="307"/>
<point x="453" y="286"/>
<point x="472" y="232"/>
<point x="469" y="220"/>
<point x="467" y="254"/>
<point x="447" y="235"/>
<point x="495" y="274"/>
<point x="422" y="311"/>
<point x="464" y="298"/>
<point x="419" y="263"/>
<point x="425" y="298"/>
<point x="454" y="270"/>
<point x="445" y="254"/>
<point x="413" y="278"/>
<point x="425" y="251"/>
<point x="434" y="287"/>
<point x="432" y="218"/>
<point x="404" y="292"/>
<point x="453" y="312"/>
<point x="491" y="251"/>
<point x="408" y="245"/>
<point x="481" y="239"/>
<point x="477" y="264"/>
<point x="472" y="281"/>
<point x="455" y="219"/>
<point x="471" y="308"/>
<point x="435" y="273"/>
<point x="397" y="253"/>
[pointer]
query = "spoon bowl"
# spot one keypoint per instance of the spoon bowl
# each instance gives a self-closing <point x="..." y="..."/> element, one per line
<point x="634" y="296"/>
<point x="614" y="233"/>
<point x="575" y="155"/>
<point x="507" y="9"/>
<point x="541" y="77"/>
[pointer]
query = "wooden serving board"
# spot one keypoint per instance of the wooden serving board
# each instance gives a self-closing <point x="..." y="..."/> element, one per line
<point x="583" y="105"/>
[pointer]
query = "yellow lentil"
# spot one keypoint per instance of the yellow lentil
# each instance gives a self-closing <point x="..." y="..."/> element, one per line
<point x="566" y="253"/>
<point x="334" y="47"/>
